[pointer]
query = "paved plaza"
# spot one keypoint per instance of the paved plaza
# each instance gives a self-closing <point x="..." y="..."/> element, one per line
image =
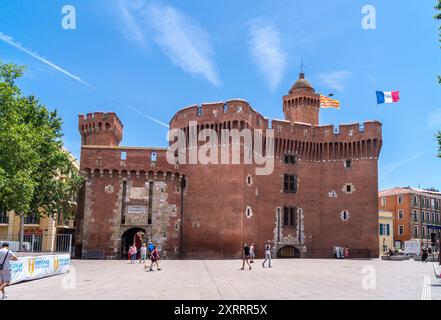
<point x="223" y="279"/>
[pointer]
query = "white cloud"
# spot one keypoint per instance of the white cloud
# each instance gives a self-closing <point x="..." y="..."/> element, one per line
<point x="434" y="119"/>
<point x="130" y="26"/>
<point x="184" y="42"/>
<point x="17" y="45"/>
<point x="335" y="80"/>
<point x="267" y="52"/>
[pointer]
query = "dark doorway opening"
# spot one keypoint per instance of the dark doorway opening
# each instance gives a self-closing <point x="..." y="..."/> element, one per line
<point x="131" y="237"/>
<point x="288" y="252"/>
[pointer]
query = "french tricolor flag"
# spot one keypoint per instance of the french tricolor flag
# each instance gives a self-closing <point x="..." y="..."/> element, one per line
<point x="388" y="96"/>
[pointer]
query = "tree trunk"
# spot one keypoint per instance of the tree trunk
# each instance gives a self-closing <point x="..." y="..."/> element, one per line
<point x="21" y="231"/>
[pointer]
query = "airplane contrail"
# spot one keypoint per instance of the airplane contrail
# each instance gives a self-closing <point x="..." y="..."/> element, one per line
<point x="17" y="45"/>
<point x="9" y="40"/>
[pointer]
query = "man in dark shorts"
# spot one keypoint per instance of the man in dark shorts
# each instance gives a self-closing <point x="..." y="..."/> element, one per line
<point x="245" y="256"/>
<point x="154" y="257"/>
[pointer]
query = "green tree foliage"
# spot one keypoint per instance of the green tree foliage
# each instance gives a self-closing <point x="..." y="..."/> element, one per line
<point x="36" y="174"/>
<point x="439" y="143"/>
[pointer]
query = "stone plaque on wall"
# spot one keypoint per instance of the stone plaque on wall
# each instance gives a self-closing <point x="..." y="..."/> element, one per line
<point x="138" y="193"/>
<point x="136" y="215"/>
<point x="136" y="209"/>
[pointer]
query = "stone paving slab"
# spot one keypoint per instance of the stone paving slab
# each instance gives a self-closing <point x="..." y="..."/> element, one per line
<point x="223" y="279"/>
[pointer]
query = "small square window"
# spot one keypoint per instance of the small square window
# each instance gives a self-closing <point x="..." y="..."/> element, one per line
<point x="290" y="183"/>
<point x="289" y="159"/>
<point x="348" y="163"/>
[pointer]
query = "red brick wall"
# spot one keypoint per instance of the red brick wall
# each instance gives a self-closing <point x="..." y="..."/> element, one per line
<point x="216" y="198"/>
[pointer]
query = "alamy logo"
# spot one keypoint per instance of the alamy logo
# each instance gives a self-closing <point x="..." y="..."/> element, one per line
<point x="257" y="147"/>
<point x="369" y="21"/>
<point x="369" y="281"/>
<point x="69" y="20"/>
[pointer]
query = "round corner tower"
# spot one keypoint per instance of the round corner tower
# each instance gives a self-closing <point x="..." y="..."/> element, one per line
<point x="100" y="128"/>
<point x="302" y="104"/>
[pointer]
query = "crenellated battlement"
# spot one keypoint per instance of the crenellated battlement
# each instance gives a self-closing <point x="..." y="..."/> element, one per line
<point x="100" y="128"/>
<point x="305" y="131"/>
<point x="226" y="113"/>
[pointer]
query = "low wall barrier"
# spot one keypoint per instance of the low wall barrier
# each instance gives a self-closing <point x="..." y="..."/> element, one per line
<point x="31" y="268"/>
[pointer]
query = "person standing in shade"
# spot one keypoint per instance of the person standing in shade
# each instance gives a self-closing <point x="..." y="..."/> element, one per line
<point x="424" y="255"/>
<point x="129" y="253"/>
<point x="245" y="256"/>
<point x="346" y="252"/>
<point x="252" y="253"/>
<point x="143" y="255"/>
<point x="5" y="267"/>
<point x="267" y="254"/>
<point x="133" y="252"/>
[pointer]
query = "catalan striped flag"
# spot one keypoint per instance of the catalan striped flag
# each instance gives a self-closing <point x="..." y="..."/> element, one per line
<point x="326" y="102"/>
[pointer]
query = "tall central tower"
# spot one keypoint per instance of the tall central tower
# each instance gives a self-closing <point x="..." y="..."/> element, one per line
<point x="302" y="104"/>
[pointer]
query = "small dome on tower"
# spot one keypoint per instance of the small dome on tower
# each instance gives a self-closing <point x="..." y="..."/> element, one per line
<point x="301" y="85"/>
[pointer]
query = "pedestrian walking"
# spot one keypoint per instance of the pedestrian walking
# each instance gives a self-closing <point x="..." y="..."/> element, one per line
<point x="6" y="256"/>
<point x="143" y="254"/>
<point x="267" y="254"/>
<point x="150" y="248"/>
<point x="154" y="258"/>
<point x="252" y="253"/>
<point x="245" y="256"/>
<point x="133" y="252"/>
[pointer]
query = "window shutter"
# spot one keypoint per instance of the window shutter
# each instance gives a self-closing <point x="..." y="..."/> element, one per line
<point x="381" y="229"/>
<point x="388" y="229"/>
<point x="285" y="182"/>
<point x="285" y="216"/>
<point x="292" y="217"/>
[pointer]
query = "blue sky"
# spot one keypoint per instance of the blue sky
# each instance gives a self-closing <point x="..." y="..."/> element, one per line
<point x="152" y="58"/>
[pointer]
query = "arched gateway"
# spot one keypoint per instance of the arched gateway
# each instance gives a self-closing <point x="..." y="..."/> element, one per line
<point x="130" y="237"/>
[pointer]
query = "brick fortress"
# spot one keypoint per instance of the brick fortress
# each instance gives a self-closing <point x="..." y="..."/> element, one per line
<point x="323" y="191"/>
